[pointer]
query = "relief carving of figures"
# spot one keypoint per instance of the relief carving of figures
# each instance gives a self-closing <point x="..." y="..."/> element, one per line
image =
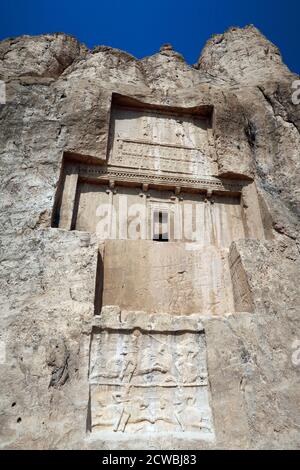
<point x="156" y="359"/>
<point x="187" y="363"/>
<point x="108" y="415"/>
<point x="189" y="415"/>
<point x="119" y="365"/>
<point x="124" y="410"/>
<point x="128" y="353"/>
<point x="150" y="382"/>
<point x="136" y="412"/>
<point x="164" y="414"/>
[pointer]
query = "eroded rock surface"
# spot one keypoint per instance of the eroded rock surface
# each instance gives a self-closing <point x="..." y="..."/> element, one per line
<point x="57" y="110"/>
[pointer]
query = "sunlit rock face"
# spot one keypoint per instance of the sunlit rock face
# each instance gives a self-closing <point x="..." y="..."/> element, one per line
<point x="149" y="246"/>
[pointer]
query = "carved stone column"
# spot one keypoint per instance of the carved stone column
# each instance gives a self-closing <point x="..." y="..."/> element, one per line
<point x="68" y="199"/>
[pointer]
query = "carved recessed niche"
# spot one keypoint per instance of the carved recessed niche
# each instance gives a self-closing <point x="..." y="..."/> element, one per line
<point x="161" y="164"/>
<point x="157" y="156"/>
<point x="161" y="140"/>
<point x="167" y="278"/>
<point x="157" y="384"/>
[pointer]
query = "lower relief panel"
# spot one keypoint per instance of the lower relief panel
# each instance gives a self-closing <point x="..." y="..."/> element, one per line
<point x="151" y="382"/>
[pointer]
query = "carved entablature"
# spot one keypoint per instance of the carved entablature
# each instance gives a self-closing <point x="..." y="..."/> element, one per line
<point x="161" y="139"/>
<point x="98" y="173"/>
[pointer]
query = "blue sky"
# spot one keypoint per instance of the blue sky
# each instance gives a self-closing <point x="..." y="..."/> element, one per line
<point x="141" y="26"/>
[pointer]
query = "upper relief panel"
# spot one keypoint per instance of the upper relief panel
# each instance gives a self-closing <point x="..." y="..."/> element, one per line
<point x="161" y="141"/>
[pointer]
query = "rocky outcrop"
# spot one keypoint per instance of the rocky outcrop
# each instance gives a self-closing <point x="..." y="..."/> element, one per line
<point x="58" y="96"/>
<point x="38" y="56"/>
<point x="242" y="56"/>
<point x="47" y="304"/>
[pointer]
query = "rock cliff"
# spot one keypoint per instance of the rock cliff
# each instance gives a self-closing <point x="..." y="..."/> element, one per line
<point x="58" y="95"/>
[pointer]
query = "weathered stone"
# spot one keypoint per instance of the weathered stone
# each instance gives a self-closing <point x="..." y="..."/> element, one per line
<point x="194" y="341"/>
<point x="47" y="305"/>
<point x="242" y="56"/>
<point x="38" y="56"/>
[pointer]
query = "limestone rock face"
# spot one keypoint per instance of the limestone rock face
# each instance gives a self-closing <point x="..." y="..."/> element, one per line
<point x="65" y="307"/>
<point x="242" y="56"/>
<point x="38" y="56"/>
<point x="49" y="278"/>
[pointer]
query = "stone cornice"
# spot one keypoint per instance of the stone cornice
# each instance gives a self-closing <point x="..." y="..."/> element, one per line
<point x="161" y="179"/>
